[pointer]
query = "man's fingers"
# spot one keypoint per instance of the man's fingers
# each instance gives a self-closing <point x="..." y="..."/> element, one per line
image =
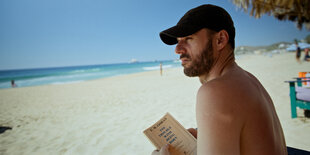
<point x="155" y="152"/>
<point x="164" y="150"/>
<point x="193" y="132"/>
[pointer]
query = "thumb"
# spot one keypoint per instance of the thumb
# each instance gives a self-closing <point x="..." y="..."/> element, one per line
<point x="165" y="150"/>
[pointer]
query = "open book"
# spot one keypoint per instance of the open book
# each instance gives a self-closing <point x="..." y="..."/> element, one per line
<point x="169" y="131"/>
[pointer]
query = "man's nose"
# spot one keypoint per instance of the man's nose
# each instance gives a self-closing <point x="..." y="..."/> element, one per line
<point x="179" y="49"/>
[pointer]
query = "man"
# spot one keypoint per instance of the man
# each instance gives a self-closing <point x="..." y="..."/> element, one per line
<point x="161" y="68"/>
<point x="234" y="113"/>
<point x="298" y="51"/>
<point x="13" y="84"/>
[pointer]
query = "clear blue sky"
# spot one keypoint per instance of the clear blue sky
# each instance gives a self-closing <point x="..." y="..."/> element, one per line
<point x="48" y="33"/>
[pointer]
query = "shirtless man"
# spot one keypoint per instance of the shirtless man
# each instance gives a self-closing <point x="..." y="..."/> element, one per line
<point x="234" y="113"/>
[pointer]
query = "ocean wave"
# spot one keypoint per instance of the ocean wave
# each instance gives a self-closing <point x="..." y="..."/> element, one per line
<point x="25" y="77"/>
<point x="68" y="82"/>
<point x="5" y="85"/>
<point x="96" y="69"/>
<point x="59" y="79"/>
<point x="79" y="71"/>
<point x="86" y="70"/>
<point x="156" y="67"/>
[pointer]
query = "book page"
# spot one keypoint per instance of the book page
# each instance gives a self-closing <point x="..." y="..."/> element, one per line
<point x="169" y="131"/>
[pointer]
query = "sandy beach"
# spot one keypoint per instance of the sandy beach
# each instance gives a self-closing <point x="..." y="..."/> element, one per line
<point x="108" y="116"/>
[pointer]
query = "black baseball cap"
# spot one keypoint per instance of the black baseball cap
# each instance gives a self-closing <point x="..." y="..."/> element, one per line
<point x="205" y="16"/>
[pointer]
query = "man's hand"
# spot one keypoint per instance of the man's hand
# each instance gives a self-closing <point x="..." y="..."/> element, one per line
<point x="163" y="151"/>
<point x="193" y="132"/>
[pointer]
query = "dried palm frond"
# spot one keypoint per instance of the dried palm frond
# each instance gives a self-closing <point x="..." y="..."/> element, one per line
<point x="293" y="10"/>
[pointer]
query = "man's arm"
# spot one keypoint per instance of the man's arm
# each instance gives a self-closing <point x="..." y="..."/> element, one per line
<point x="218" y="120"/>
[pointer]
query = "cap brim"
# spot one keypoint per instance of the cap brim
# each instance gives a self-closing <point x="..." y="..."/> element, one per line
<point x="170" y="35"/>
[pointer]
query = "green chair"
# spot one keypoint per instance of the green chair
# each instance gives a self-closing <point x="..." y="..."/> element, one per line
<point x="300" y="96"/>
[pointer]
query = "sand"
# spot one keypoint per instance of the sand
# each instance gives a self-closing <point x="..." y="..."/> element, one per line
<point x="108" y="116"/>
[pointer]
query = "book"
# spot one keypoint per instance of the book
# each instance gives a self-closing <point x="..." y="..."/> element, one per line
<point x="168" y="130"/>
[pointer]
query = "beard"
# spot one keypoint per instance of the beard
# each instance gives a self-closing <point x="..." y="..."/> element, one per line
<point x="200" y="64"/>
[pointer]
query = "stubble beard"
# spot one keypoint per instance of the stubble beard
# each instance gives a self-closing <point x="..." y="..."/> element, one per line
<point x="202" y="64"/>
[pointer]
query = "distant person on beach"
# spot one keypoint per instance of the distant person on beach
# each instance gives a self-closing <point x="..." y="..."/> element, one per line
<point x="13" y="84"/>
<point x="234" y="112"/>
<point x="161" y="68"/>
<point x="298" y="51"/>
<point x="307" y="57"/>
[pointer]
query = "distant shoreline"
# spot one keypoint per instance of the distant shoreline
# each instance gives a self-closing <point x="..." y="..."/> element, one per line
<point x="63" y="75"/>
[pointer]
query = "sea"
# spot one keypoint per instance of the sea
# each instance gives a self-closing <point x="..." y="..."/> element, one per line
<point x="74" y="74"/>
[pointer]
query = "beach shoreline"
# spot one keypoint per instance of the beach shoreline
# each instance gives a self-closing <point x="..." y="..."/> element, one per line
<point x="108" y="116"/>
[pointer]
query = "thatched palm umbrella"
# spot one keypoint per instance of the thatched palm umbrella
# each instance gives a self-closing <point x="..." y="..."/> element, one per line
<point x="294" y="10"/>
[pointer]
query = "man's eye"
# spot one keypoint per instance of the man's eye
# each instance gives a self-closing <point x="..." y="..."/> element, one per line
<point x="188" y="38"/>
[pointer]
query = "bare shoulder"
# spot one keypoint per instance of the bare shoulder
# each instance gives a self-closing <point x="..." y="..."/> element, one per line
<point x="213" y="93"/>
<point x="218" y="111"/>
<point x="218" y="94"/>
<point x="229" y="96"/>
<point x="238" y="103"/>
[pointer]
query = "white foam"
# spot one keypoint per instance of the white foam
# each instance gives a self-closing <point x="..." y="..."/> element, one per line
<point x="86" y="70"/>
<point x="156" y="67"/>
<point x="58" y="79"/>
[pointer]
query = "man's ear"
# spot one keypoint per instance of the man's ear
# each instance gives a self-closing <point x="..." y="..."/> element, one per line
<point x="222" y="38"/>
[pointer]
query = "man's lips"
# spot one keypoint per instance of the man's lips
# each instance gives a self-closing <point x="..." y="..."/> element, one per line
<point x="184" y="60"/>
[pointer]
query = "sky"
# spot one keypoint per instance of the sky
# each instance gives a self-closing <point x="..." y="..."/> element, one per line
<point x="55" y="33"/>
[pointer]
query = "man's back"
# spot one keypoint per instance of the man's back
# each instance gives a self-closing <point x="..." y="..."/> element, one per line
<point x="235" y="115"/>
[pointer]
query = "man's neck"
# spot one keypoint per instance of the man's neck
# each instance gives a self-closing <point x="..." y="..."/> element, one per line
<point x="224" y="61"/>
